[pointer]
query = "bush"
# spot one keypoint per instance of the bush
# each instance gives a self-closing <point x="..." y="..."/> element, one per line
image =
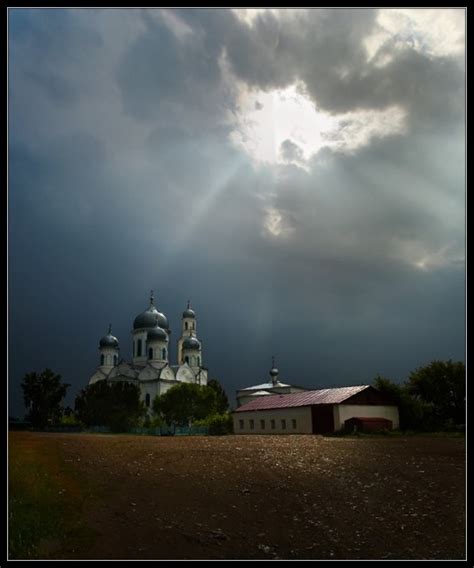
<point x="218" y="424"/>
<point x="69" y="420"/>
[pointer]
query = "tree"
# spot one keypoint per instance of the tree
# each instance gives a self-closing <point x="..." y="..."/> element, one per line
<point x="411" y="411"/>
<point x="442" y="386"/>
<point x="184" y="403"/>
<point x="115" y="405"/>
<point x="221" y="398"/>
<point x="42" y="394"/>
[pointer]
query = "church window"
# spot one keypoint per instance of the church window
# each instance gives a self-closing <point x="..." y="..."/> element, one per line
<point x="150" y="353"/>
<point x="187" y="359"/>
<point x="199" y="361"/>
<point x="283" y="424"/>
<point x="262" y="424"/>
<point x="193" y="326"/>
<point x="272" y="424"/>
<point x="115" y="359"/>
<point x="252" y="425"/>
<point x="163" y="353"/>
<point x="241" y="424"/>
<point x="186" y="325"/>
<point x="147" y="400"/>
<point x="139" y="348"/>
<point x="293" y="422"/>
<point x="102" y="359"/>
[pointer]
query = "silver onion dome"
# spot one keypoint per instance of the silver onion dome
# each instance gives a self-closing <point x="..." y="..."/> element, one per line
<point x="191" y="343"/>
<point x="109" y="340"/>
<point x="147" y="319"/>
<point x="157" y="333"/>
<point x="189" y="312"/>
<point x="274" y="371"/>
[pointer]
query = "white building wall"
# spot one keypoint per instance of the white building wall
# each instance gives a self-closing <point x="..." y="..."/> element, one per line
<point x="192" y="327"/>
<point x="157" y="347"/>
<point x="343" y="412"/>
<point x="302" y="415"/>
<point x="195" y="357"/>
<point x="152" y="388"/>
<point x="144" y="357"/>
<point x="108" y="353"/>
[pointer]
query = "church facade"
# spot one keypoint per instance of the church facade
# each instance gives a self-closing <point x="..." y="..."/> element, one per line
<point x="150" y="367"/>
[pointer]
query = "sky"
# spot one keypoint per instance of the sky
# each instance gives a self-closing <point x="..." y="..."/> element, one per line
<point x="298" y="174"/>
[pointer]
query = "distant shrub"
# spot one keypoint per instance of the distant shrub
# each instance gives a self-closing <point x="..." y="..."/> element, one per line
<point x="218" y="424"/>
<point x="69" y="420"/>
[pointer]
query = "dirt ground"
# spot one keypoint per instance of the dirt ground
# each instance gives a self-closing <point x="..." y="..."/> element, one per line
<point x="268" y="497"/>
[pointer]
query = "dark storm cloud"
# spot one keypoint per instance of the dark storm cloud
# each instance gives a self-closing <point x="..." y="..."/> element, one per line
<point x="122" y="178"/>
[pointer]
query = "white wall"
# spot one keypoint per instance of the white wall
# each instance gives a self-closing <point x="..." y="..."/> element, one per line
<point x="144" y="356"/>
<point x="193" y="354"/>
<point x="108" y="353"/>
<point x="302" y="415"/>
<point x="157" y="347"/>
<point x="185" y="333"/>
<point x="343" y="412"/>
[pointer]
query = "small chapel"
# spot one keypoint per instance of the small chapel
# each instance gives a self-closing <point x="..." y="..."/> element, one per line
<point x="150" y="367"/>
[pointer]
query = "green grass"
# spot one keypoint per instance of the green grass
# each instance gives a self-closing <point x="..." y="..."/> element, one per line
<point x="45" y="502"/>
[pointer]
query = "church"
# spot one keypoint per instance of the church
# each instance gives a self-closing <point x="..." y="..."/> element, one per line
<point x="150" y="368"/>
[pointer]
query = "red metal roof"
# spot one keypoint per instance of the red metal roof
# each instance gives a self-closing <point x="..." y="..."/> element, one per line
<point x="306" y="398"/>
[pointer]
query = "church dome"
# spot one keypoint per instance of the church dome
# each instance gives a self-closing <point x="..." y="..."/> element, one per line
<point x="274" y="372"/>
<point x="109" y="340"/>
<point x="191" y="343"/>
<point x="157" y="334"/>
<point x="148" y="318"/>
<point x="189" y="312"/>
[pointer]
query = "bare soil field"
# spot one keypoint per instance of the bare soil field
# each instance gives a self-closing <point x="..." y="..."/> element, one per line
<point x="261" y="497"/>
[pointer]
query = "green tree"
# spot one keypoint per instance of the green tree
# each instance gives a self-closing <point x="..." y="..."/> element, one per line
<point x="116" y="405"/>
<point x="222" y="401"/>
<point x="441" y="385"/>
<point x="42" y="394"/>
<point x="411" y="411"/>
<point x="184" y="403"/>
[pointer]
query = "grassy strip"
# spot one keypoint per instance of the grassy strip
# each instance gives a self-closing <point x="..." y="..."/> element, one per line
<point x="45" y="501"/>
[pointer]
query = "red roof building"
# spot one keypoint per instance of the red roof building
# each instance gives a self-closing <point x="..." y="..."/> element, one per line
<point x="313" y="412"/>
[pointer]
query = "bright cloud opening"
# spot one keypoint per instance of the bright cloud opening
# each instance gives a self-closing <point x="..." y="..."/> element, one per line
<point x="284" y="126"/>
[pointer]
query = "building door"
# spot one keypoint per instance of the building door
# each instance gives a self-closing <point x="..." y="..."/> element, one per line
<point x="322" y="418"/>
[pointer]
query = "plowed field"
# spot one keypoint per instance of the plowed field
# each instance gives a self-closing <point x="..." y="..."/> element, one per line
<point x="257" y="497"/>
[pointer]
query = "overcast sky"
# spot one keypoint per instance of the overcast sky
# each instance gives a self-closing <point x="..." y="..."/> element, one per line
<point x="299" y="175"/>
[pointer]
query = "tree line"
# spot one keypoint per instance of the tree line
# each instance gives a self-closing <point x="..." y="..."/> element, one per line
<point x="432" y="398"/>
<point x="118" y="405"/>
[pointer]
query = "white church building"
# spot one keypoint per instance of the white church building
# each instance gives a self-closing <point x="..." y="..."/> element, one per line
<point x="150" y="368"/>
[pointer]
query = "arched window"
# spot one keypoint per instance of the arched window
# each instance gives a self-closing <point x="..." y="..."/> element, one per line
<point x="185" y="325"/>
<point x="163" y="353"/>
<point x="102" y="359"/>
<point x="147" y="400"/>
<point x="194" y="326"/>
<point x="115" y="359"/>
<point x="139" y="348"/>
<point x="186" y="359"/>
<point x="199" y="361"/>
<point x="150" y="353"/>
